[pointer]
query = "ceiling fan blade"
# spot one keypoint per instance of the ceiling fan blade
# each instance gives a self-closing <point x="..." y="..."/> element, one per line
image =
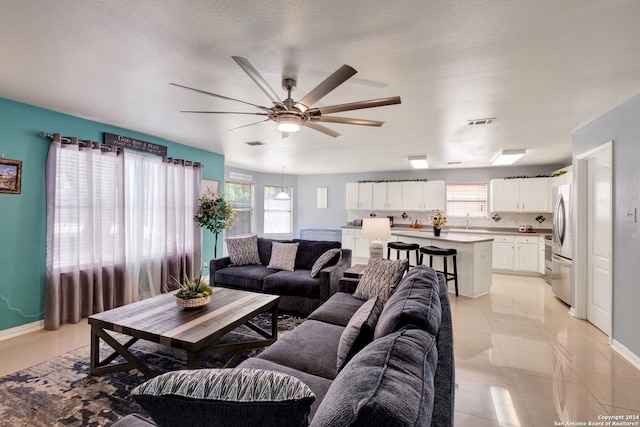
<point x="250" y="124"/>
<point x="219" y="96"/>
<point x="339" y="76"/>
<point x="320" y="128"/>
<point x="223" y="112"/>
<point x="347" y="121"/>
<point x="256" y="77"/>
<point x="380" y="102"/>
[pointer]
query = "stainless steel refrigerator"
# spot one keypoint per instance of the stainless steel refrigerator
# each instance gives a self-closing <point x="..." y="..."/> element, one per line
<point x="562" y="244"/>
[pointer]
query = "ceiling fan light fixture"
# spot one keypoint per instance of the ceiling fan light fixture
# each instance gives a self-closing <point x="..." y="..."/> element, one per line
<point x="289" y="123"/>
<point x="508" y="157"/>
<point x="419" y="162"/>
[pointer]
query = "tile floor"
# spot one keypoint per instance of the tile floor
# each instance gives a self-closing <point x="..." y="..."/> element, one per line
<point x="521" y="360"/>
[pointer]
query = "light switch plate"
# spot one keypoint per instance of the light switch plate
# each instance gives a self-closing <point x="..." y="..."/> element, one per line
<point x="631" y="215"/>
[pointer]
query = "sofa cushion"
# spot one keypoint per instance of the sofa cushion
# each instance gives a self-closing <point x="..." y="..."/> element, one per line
<point x="248" y="277"/>
<point x="243" y="250"/>
<point x="380" y="278"/>
<point x="359" y="331"/>
<point x="311" y="347"/>
<point x="327" y="259"/>
<point x="223" y="397"/>
<point x="415" y="303"/>
<point x="318" y="385"/>
<point x="283" y="256"/>
<point x="338" y="309"/>
<point x="388" y="383"/>
<point x="298" y="283"/>
<point x="310" y="250"/>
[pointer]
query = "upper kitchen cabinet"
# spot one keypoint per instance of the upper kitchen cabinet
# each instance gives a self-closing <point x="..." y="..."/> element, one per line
<point x="421" y="195"/>
<point x="387" y="196"/>
<point x="520" y="195"/>
<point x="359" y="195"/>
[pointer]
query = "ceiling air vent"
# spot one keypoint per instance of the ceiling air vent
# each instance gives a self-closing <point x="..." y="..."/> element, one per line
<point x="454" y="163"/>
<point x="254" y="143"/>
<point x="477" y="122"/>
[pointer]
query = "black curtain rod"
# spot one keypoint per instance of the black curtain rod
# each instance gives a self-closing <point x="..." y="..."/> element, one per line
<point x="96" y="145"/>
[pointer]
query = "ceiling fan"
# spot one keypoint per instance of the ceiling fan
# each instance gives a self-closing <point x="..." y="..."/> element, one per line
<point x="289" y="114"/>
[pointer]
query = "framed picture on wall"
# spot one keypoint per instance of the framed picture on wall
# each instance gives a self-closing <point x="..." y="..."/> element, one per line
<point x="10" y="176"/>
<point x="209" y="186"/>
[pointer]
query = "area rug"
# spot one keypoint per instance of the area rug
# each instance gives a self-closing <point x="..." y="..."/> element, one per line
<point x="60" y="391"/>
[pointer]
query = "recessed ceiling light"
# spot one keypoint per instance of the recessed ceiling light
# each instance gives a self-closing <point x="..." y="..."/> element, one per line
<point x="508" y="157"/>
<point x="418" y="162"/>
<point x="254" y="143"/>
<point x="476" y="122"/>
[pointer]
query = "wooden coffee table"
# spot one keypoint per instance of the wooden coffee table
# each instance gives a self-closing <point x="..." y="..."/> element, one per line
<point x="159" y="319"/>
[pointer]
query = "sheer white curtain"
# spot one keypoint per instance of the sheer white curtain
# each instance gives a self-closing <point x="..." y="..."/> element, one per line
<point x="118" y="228"/>
<point x="162" y="240"/>
<point x="85" y="245"/>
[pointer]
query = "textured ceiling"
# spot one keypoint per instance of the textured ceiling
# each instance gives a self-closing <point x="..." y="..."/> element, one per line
<point x="543" y="68"/>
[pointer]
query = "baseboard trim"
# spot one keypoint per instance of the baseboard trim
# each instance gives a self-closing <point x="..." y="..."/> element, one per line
<point x="626" y="353"/>
<point x="21" y="330"/>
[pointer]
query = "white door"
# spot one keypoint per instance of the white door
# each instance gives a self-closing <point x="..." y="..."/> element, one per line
<point x="599" y="241"/>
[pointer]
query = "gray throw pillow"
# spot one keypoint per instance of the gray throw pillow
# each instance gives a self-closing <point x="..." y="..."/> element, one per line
<point x="283" y="256"/>
<point x="390" y="382"/>
<point x="224" y="397"/>
<point x="359" y="331"/>
<point x="380" y="278"/>
<point x="243" y="250"/>
<point x="323" y="261"/>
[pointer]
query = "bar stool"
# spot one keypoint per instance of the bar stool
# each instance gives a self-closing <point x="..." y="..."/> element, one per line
<point x="402" y="246"/>
<point x="445" y="254"/>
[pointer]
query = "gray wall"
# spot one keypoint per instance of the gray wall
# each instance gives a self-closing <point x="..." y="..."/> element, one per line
<point x="623" y="127"/>
<point x="308" y="215"/>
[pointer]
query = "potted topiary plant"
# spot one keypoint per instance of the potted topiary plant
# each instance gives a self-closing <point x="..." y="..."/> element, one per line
<point x="215" y="214"/>
<point x="193" y="293"/>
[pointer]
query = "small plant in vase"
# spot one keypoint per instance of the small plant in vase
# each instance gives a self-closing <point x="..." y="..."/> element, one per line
<point x="193" y="293"/>
<point x="437" y="221"/>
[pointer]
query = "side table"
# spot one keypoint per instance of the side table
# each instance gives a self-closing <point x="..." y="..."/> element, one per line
<point x="355" y="272"/>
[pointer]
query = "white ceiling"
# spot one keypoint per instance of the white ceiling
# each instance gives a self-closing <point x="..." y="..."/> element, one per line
<point x="544" y="68"/>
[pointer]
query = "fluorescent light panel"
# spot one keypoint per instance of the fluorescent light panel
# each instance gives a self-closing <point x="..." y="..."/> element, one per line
<point x="508" y="157"/>
<point x="419" y="162"/>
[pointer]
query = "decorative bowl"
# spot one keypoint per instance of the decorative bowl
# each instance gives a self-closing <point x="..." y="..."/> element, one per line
<point x="193" y="303"/>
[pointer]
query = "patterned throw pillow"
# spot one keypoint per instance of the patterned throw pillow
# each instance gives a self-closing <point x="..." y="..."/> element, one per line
<point x="323" y="261"/>
<point x="283" y="256"/>
<point x="380" y="278"/>
<point x="238" y="397"/>
<point x="359" y="331"/>
<point x="243" y="250"/>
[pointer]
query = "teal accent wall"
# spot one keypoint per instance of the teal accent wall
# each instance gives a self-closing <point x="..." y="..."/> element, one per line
<point x="23" y="216"/>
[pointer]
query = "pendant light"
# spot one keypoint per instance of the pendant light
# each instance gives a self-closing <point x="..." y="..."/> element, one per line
<point x="282" y="195"/>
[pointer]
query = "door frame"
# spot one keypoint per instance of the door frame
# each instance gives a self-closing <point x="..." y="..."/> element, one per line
<point x="580" y="259"/>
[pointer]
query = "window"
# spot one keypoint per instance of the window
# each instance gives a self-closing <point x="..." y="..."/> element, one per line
<point x="278" y="218"/>
<point x="467" y="199"/>
<point x="241" y="198"/>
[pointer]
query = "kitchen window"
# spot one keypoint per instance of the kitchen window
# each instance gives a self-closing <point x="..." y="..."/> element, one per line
<point x="467" y="199"/>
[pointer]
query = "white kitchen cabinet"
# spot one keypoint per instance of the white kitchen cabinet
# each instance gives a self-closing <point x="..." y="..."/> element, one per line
<point x="423" y="196"/>
<point x="352" y="239"/>
<point x="516" y="254"/>
<point x="541" y="254"/>
<point x="387" y="196"/>
<point x="520" y="195"/>
<point x="359" y="195"/>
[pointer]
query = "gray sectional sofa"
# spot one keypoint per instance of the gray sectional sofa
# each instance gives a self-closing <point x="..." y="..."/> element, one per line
<point x="403" y="376"/>
<point x="299" y="293"/>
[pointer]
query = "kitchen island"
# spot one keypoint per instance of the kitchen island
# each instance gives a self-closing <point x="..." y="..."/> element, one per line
<point x="474" y="254"/>
<point x="474" y="257"/>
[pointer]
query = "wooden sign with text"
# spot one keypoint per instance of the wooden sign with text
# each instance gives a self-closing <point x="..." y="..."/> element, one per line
<point x="134" y="144"/>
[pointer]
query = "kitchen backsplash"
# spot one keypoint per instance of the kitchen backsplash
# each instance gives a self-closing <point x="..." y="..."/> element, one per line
<point x="496" y="220"/>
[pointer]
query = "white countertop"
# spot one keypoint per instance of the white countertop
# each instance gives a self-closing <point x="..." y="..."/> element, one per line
<point x="444" y="236"/>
